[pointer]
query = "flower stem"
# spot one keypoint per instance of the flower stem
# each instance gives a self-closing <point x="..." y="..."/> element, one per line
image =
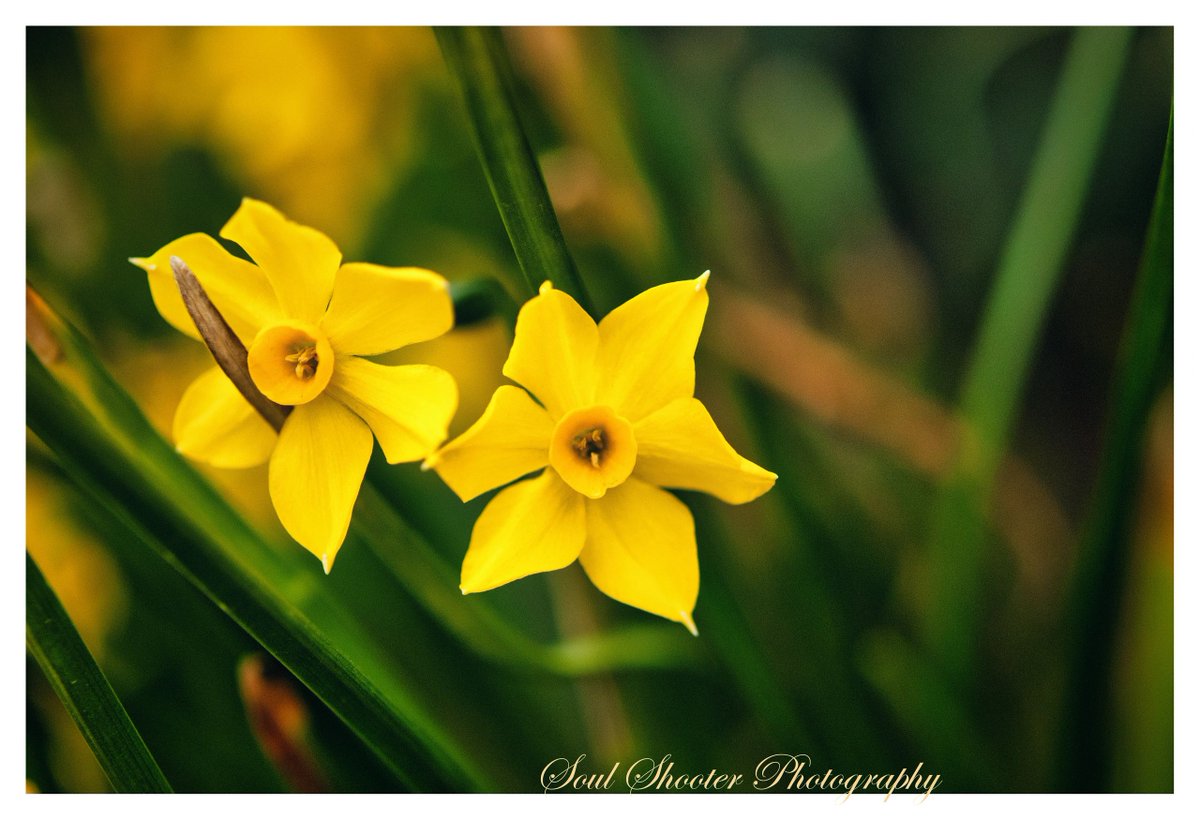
<point x="477" y="59"/>
<point x="80" y="684"/>
<point x="432" y="582"/>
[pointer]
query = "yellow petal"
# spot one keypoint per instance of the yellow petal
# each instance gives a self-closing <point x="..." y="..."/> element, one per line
<point x="554" y="352"/>
<point x="641" y="550"/>
<point x="300" y="262"/>
<point x="648" y="348"/>
<point x="376" y="309"/>
<point x="316" y="471"/>
<point x="214" y="424"/>
<point x="238" y="289"/>
<point x="532" y="526"/>
<point x="680" y="446"/>
<point x="408" y="407"/>
<point x="510" y="439"/>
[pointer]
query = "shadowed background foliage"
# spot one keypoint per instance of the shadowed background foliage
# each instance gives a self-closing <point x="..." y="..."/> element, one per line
<point x="941" y="300"/>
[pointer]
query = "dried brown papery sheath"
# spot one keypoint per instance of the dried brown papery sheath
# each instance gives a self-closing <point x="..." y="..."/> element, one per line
<point x="226" y="347"/>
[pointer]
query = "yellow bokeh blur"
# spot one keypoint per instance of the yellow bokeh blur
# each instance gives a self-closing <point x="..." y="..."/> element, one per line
<point x="310" y="119"/>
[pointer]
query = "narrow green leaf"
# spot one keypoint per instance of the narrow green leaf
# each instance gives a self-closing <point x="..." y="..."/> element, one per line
<point x="929" y="711"/>
<point x="477" y="59"/>
<point x="116" y="456"/>
<point x="1030" y="268"/>
<point x="1098" y="586"/>
<point x="81" y="686"/>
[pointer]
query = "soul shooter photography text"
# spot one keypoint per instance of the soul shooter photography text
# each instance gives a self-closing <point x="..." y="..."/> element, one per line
<point x="774" y="773"/>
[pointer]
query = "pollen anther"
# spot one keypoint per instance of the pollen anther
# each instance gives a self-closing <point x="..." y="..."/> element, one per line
<point x="306" y="361"/>
<point x="590" y="444"/>
<point x="593" y="449"/>
<point x="291" y="363"/>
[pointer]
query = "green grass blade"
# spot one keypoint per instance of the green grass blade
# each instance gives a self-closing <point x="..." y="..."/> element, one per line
<point x="931" y="715"/>
<point x="81" y="686"/>
<point x="1029" y="270"/>
<point x="477" y="59"/>
<point x="114" y="454"/>
<point x="1099" y="583"/>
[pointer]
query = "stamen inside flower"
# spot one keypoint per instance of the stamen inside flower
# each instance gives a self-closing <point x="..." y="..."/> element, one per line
<point x="291" y="364"/>
<point x="590" y="445"/>
<point x="593" y="449"/>
<point x="306" y="360"/>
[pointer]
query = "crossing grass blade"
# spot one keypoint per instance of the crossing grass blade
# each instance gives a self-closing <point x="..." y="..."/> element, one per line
<point x="114" y="455"/>
<point x="1030" y="267"/>
<point x="477" y="61"/>
<point x="1102" y="569"/>
<point x="75" y="677"/>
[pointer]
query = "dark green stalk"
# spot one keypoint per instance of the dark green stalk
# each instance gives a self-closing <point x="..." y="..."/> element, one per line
<point x="1097" y="591"/>
<point x="477" y="300"/>
<point x="431" y="581"/>
<point x="1030" y="268"/>
<point x="477" y="60"/>
<point x="54" y="643"/>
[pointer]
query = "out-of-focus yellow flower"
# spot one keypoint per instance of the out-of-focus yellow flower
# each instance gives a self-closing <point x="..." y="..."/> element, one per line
<point x="333" y="100"/>
<point x="617" y="421"/>
<point x="307" y="321"/>
<point x="81" y="572"/>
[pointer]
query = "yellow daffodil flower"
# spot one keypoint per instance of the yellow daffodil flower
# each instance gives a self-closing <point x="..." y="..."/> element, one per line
<point x="617" y="421"/>
<point x="307" y="321"/>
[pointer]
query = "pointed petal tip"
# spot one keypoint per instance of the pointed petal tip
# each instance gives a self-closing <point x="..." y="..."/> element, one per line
<point x="327" y="562"/>
<point x="686" y="619"/>
<point x="768" y="477"/>
<point x="142" y="262"/>
<point x="759" y="471"/>
<point x="702" y="280"/>
<point x="546" y="286"/>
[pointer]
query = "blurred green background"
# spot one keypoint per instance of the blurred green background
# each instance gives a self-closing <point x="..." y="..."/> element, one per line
<point x="855" y="192"/>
